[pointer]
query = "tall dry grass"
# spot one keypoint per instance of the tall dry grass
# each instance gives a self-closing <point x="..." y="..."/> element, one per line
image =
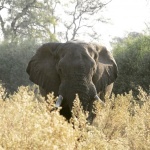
<point x="28" y="122"/>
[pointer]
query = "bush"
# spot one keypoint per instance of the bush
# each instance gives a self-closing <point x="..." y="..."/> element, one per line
<point x="132" y="56"/>
<point x="28" y="122"/>
<point x="14" y="59"/>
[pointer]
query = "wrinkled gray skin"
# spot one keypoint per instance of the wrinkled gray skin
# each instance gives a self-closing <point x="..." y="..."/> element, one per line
<point x="73" y="67"/>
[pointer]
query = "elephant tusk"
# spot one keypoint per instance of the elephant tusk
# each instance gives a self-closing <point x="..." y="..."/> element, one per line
<point x="59" y="101"/>
<point x="97" y="98"/>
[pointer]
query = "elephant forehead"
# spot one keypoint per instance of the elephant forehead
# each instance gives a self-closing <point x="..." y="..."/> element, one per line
<point x="77" y="55"/>
<point x="76" y="49"/>
<point x="79" y="60"/>
<point x="72" y="50"/>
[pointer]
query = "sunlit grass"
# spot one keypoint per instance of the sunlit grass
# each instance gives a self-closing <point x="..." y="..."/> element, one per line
<point x="28" y="122"/>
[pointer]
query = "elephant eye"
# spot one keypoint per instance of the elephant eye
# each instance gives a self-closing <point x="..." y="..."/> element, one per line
<point x="94" y="69"/>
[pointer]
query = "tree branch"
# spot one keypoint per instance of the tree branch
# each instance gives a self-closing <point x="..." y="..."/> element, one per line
<point x="19" y="15"/>
<point x="82" y="9"/>
<point x="2" y="26"/>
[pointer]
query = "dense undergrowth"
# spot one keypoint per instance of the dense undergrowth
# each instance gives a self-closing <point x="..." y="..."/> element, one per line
<point x="28" y="122"/>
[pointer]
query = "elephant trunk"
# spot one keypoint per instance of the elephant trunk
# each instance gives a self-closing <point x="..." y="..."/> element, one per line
<point x="87" y="95"/>
<point x="86" y="91"/>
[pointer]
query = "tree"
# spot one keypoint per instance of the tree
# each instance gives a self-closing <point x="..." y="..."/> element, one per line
<point x="26" y="18"/>
<point x="48" y="19"/>
<point x="132" y="55"/>
<point x="82" y="15"/>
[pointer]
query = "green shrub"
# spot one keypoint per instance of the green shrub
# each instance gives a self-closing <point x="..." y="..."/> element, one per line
<point x="14" y="59"/>
<point x="132" y="55"/>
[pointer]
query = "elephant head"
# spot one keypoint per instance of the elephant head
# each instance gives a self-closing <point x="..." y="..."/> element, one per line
<point x="86" y="69"/>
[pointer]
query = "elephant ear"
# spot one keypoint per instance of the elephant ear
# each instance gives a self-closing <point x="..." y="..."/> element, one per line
<point x="107" y="70"/>
<point x="42" y="70"/>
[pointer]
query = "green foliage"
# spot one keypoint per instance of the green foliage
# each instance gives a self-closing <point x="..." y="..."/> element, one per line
<point x="50" y="19"/>
<point x="28" y="122"/>
<point x="14" y="59"/>
<point x="27" y="19"/>
<point x="132" y="55"/>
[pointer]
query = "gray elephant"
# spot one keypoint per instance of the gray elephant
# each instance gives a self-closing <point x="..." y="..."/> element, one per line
<point x="87" y="69"/>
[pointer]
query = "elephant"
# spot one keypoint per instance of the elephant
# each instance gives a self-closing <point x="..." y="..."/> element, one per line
<point x="74" y="67"/>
